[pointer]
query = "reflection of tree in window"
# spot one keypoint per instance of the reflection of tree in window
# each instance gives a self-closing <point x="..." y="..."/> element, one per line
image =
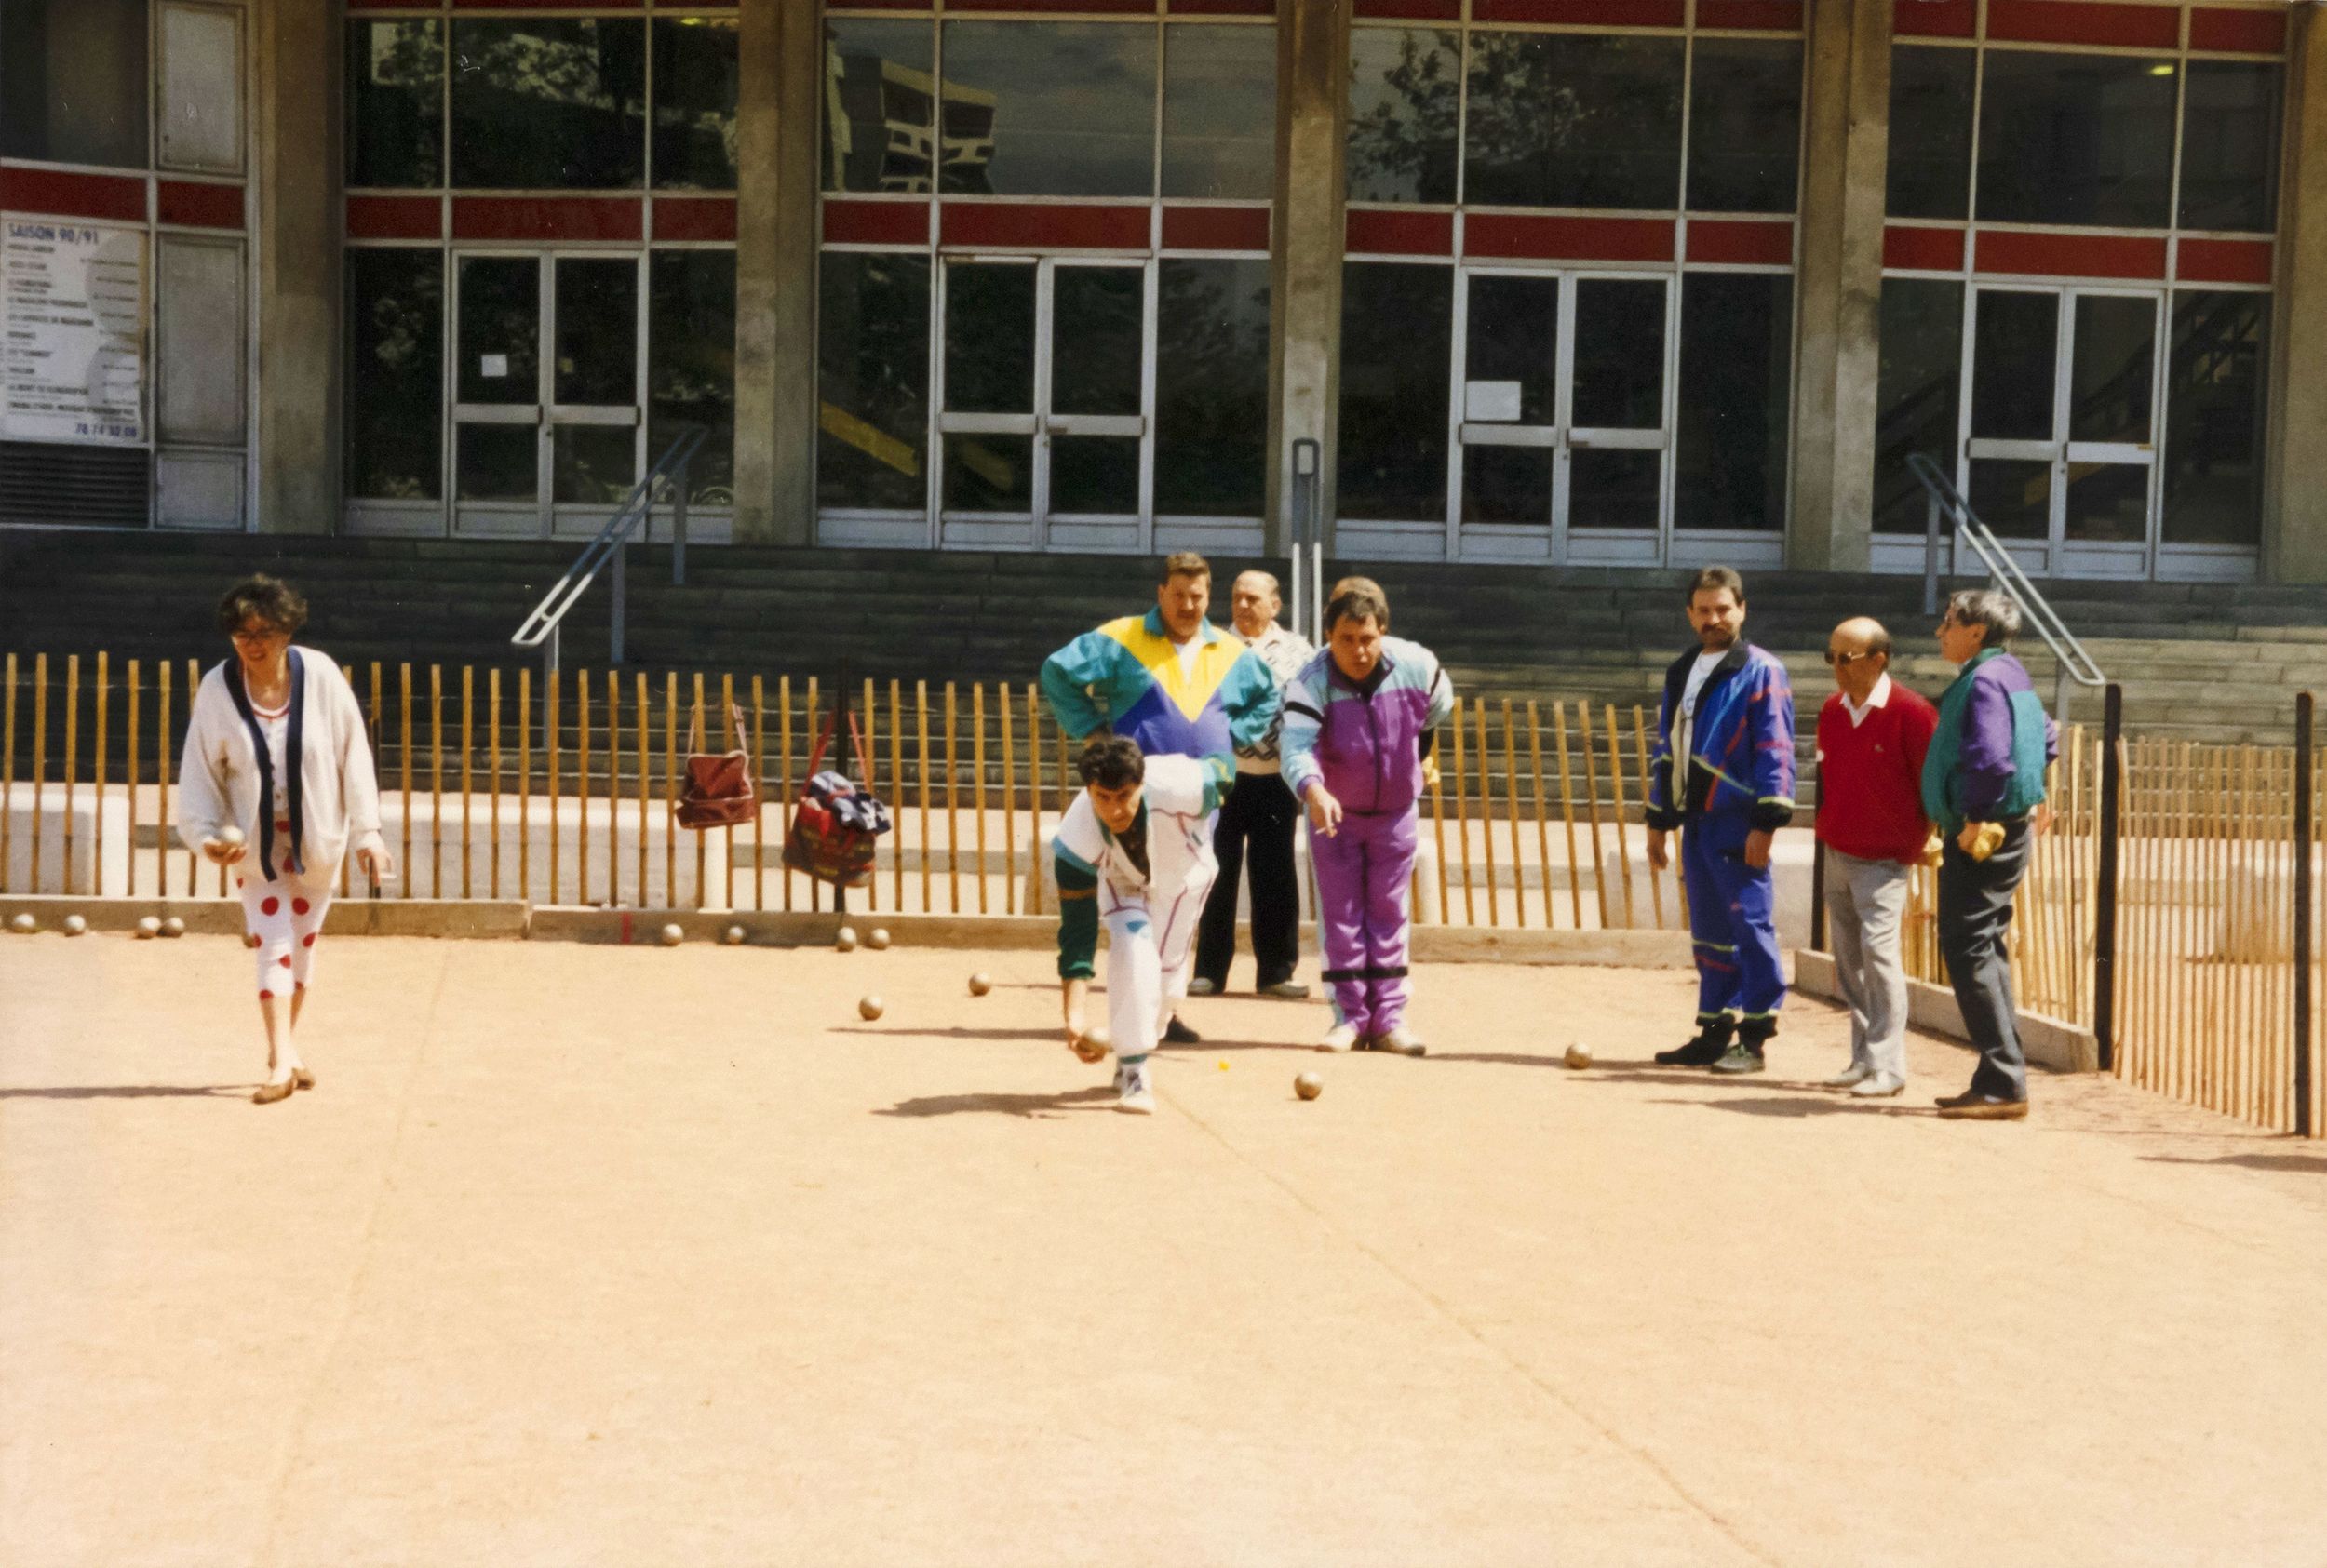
<point x="2214" y="437"/>
<point x="1211" y="388"/>
<point x="873" y="380"/>
<point x="548" y="103"/>
<point x="395" y="374"/>
<point x="396" y="104"/>
<point x="1573" y="120"/>
<point x="691" y="365"/>
<point x="694" y="103"/>
<point x="1919" y="393"/>
<point x="1404" y="98"/>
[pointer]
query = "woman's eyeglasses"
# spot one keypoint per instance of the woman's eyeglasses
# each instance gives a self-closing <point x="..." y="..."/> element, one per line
<point x="257" y="634"/>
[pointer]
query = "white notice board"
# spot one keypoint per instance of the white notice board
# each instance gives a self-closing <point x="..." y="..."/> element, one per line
<point x="73" y="315"/>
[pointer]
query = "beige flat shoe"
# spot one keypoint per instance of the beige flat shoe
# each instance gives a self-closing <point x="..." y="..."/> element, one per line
<point x="303" y="1078"/>
<point x="270" y="1092"/>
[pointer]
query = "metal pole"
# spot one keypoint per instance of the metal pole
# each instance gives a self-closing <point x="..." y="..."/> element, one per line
<point x="621" y="588"/>
<point x="2104" y="898"/>
<point x="2303" y="744"/>
<point x="1930" y="552"/>
<point x="678" y="529"/>
<point x="1305" y="529"/>
<point x="1817" y="888"/>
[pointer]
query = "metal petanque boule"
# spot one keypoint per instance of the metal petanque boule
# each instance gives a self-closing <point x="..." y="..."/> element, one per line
<point x="845" y="939"/>
<point x="24" y="925"/>
<point x="1579" y="1056"/>
<point x="982" y="983"/>
<point x="869" y="1008"/>
<point x="148" y="929"/>
<point x="74" y="925"/>
<point x="878" y="939"/>
<point x="173" y="927"/>
<point x="1309" y="1086"/>
<point x="733" y="936"/>
<point x="673" y="936"/>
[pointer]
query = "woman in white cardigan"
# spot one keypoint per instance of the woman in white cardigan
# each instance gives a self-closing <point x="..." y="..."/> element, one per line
<point x="276" y="750"/>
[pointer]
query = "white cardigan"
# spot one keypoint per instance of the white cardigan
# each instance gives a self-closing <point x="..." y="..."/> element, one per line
<point x="218" y="781"/>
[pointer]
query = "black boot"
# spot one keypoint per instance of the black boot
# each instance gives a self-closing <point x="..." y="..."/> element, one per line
<point x="1745" y="1056"/>
<point x="1713" y="1039"/>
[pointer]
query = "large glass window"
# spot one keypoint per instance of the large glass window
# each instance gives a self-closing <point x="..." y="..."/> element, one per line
<point x="879" y="105"/>
<point x="694" y="103"/>
<point x="1737" y="361"/>
<point x="1397" y="325"/>
<point x="1917" y="393"/>
<point x="1220" y="112"/>
<point x="2231" y="146"/>
<point x="873" y="379"/>
<point x="549" y="103"/>
<point x="394" y="103"/>
<point x="1405" y="97"/>
<point x="1579" y="120"/>
<point x="1212" y="388"/>
<point x="1049" y="109"/>
<point x="1930" y="131"/>
<point x="1745" y="125"/>
<point x="2076" y="138"/>
<point x="690" y="364"/>
<point x="395" y="374"/>
<point x="2214" y="437"/>
<point x="75" y="82"/>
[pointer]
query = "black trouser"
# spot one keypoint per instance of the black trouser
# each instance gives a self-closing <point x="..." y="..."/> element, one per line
<point x="1259" y="812"/>
<point x="1974" y="911"/>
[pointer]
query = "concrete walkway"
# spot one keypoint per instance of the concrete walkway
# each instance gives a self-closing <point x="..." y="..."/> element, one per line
<point x="627" y="1257"/>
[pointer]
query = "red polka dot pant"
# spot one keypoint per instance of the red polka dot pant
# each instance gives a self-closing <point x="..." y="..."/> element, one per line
<point x="285" y="917"/>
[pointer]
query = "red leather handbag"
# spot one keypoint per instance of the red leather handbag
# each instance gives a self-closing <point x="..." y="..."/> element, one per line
<point x="715" y="789"/>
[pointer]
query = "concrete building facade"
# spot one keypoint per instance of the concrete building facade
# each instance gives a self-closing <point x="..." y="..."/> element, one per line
<point x="1598" y="282"/>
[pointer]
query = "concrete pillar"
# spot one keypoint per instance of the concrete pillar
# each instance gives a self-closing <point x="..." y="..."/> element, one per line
<point x="776" y="134"/>
<point x="2294" y="504"/>
<point x="1838" y="285"/>
<point x="1305" y="255"/>
<point x="296" y="163"/>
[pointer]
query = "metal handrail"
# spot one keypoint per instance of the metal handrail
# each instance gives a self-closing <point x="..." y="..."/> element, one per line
<point x="2071" y="662"/>
<point x="540" y="628"/>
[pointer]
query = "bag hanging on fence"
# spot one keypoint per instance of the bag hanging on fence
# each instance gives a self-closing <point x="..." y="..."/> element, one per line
<point x="717" y="789"/>
<point x="832" y="831"/>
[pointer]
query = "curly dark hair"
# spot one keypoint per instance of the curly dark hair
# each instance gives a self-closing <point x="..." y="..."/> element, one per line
<point x="264" y="598"/>
<point x="1111" y="762"/>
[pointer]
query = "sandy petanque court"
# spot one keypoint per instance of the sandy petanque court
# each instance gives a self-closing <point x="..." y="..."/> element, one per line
<point x="583" y="1255"/>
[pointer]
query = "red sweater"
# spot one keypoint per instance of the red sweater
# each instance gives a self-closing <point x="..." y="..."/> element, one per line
<point x="1870" y="776"/>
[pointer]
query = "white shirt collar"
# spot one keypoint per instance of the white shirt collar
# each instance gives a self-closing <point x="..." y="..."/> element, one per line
<point x="1878" y="698"/>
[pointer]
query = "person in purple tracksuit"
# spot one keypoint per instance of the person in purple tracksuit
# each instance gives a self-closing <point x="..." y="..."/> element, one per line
<point x="1358" y="720"/>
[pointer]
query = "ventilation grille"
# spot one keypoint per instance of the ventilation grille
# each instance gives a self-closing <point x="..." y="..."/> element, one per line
<point x="97" y="486"/>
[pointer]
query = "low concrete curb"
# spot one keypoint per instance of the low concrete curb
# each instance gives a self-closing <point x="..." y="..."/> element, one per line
<point x="2048" y="1041"/>
<point x="510" y="919"/>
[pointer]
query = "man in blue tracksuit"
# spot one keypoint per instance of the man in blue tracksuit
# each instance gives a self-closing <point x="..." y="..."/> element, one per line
<point x="1722" y="774"/>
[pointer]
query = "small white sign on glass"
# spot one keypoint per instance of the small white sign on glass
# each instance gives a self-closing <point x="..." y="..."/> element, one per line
<point x="1490" y="402"/>
<point x="494" y="366"/>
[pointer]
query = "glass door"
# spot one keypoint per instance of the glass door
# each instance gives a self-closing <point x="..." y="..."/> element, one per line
<point x="1561" y="426"/>
<point x="545" y="443"/>
<point x="2060" y="448"/>
<point x="1043" y="404"/>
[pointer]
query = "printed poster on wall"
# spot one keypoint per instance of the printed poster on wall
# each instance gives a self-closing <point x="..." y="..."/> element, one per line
<point x="71" y="332"/>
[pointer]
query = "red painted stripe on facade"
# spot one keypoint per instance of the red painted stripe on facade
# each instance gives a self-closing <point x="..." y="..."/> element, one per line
<point x="73" y="195"/>
<point x="1401" y="233"/>
<point x="1766" y="16"/>
<point x="1937" y="250"/>
<point x="875" y="222"/>
<point x="1029" y="226"/>
<point x="2224" y="260"/>
<point x="1216" y="228"/>
<point x="2085" y="21"/>
<point x="536" y="5"/>
<point x="694" y="218"/>
<point x="530" y="218"/>
<point x="2060" y="255"/>
<point x="1768" y="244"/>
<point x="1935" y="19"/>
<point x="199" y="204"/>
<point x="921" y="5"/>
<point x="395" y="218"/>
<point x="1515" y="236"/>
<point x="1586" y="13"/>
<point x="1410" y="10"/>
<point x="2258" y="33"/>
<point x="1223" y="7"/>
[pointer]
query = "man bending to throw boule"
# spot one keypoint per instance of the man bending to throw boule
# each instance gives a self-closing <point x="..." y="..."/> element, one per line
<point x="1135" y="851"/>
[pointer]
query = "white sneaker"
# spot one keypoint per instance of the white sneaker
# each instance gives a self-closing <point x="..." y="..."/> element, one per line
<point x="1400" y="1043"/>
<point x="1878" y="1086"/>
<point x="1133" y="1094"/>
<point x="1341" y="1037"/>
<point x="1851" y="1076"/>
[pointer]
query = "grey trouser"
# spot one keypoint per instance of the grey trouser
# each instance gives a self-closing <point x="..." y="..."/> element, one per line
<point x="1974" y="910"/>
<point x="1866" y="903"/>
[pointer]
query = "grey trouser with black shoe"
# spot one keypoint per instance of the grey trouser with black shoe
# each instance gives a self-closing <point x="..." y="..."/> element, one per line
<point x="1974" y="910"/>
<point x="1865" y="902"/>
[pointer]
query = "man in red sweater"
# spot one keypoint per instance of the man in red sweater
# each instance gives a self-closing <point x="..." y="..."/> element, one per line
<point x="1871" y="735"/>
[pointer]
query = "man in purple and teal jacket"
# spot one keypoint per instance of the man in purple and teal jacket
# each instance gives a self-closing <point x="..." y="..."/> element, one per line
<point x="1722" y="774"/>
<point x="1358" y="721"/>
<point x="1984" y="790"/>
